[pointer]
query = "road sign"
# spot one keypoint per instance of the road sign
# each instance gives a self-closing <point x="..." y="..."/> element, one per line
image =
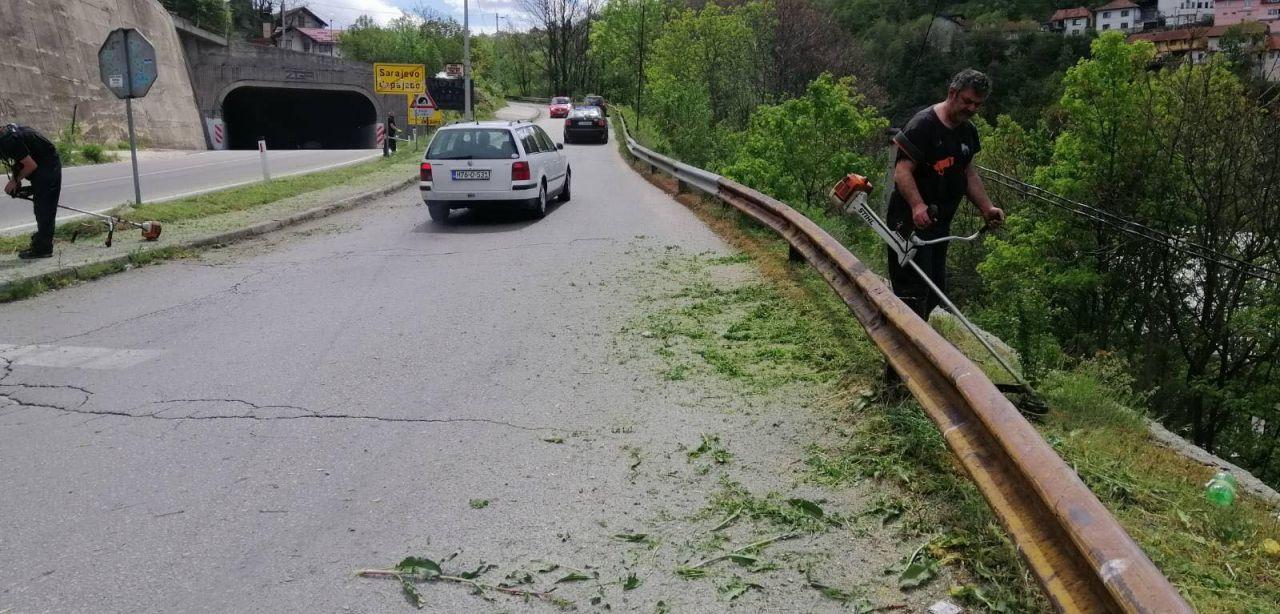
<point x="448" y="93"/>
<point x="453" y="70"/>
<point x="399" y="78"/>
<point x="127" y="66"/>
<point x="127" y="63"/>
<point x="421" y="109"/>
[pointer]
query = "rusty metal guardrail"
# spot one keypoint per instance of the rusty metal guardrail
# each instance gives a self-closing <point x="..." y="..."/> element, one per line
<point x="1081" y="556"/>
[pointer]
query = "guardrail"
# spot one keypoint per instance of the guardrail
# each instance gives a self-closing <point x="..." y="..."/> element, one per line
<point x="1082" y="558"/>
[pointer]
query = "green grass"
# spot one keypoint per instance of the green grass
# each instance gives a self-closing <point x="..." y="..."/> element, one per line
<point x="224" y="201"/>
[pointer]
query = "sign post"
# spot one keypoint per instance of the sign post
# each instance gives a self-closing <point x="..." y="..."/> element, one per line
<point x="127" y="66"/>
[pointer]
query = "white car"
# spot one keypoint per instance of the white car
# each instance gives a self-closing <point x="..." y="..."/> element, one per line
<point x="496" y="163"/>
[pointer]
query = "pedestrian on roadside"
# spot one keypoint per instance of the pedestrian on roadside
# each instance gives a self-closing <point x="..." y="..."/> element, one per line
<point x="389" y="145"/>
<point x="32" y="156"/>
<point x="933" y="172"/>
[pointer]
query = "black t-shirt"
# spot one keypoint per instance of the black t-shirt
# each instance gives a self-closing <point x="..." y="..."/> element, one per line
<point x="18" y="142"/>
<point x="942" y="155"/>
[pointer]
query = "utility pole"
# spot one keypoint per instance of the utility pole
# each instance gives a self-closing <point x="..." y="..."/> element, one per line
<point x="466" y="59"/>
<point x="280" y="43"/>
<point x="640" y="73"/>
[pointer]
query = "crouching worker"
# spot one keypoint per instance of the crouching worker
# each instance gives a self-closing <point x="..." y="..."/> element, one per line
<point x="33" y="157"/>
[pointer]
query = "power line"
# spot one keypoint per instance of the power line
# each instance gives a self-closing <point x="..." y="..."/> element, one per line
<point x="1131" y="227"/>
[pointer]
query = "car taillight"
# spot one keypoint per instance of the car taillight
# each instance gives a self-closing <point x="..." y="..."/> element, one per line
<point x="519" y="171"/>
<point x="568" y="122"/>
<point x="599" y="122"/>
<point x="424" y="174"/>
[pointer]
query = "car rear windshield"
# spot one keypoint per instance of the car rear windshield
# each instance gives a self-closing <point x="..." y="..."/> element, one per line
<point x="586" y="112"/>
<point x="472" y="144"/>
<point x="596" y="100"/>
<point x="560" y="100"/>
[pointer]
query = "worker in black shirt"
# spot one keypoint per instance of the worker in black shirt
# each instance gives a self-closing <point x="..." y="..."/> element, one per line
<point x="389" y="145"/>
<point x="32" y="156"/>
<point x="934" y="170"/>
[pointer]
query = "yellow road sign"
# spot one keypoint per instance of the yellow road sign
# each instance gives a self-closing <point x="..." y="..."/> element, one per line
<point x="418" y="116"/>
<point x="399" y="78"/>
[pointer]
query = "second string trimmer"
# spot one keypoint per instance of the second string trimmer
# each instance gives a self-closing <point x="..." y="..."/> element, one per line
<point x="150" y="229"/>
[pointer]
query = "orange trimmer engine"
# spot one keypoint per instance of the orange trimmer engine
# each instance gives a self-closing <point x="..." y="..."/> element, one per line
<point x="850" y="192"/>
<point x="150" y="231"/>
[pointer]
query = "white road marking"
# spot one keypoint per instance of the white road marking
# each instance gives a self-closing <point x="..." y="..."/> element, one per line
<point x="75" y="357"/>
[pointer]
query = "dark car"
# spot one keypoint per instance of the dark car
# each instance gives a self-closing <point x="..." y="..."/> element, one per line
<point x="586" y="123"/>
<point x="592" y="100"/>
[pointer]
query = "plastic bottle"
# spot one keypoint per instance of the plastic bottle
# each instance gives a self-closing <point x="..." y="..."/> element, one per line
<point x="1221" y="490"/>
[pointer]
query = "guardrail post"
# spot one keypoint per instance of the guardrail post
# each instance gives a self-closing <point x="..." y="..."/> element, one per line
<point x="262" y="151"/>
<point x="682" y="187"/>
<point x="794" y="255"/>
<point x="653" y="169"/>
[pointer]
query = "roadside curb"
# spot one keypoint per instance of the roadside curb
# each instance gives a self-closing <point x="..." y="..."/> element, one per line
<point x="86" y="271"/>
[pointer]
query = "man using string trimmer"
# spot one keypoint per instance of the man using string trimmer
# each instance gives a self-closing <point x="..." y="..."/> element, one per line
<point x="932" y="173"/>
<point x="33" y="157"/>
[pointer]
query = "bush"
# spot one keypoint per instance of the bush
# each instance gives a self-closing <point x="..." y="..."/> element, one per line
<point x="93" y="153"/>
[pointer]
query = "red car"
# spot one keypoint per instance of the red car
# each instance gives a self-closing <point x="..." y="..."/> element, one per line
<point x="560" y="106"/>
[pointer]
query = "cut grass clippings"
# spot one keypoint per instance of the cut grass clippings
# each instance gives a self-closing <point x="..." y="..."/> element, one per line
<point x="1216" y="557"/>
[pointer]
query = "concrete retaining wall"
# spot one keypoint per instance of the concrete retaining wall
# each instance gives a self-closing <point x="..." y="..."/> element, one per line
<point x="49" y="63"/>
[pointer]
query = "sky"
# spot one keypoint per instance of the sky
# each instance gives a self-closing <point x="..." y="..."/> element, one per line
<point x="341" y="13"/>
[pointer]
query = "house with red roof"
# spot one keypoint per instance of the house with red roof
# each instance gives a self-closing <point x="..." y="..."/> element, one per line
<point x="304" y="31"/>
<point x="1071" y="21"/>
<point x="1123" y="15"/>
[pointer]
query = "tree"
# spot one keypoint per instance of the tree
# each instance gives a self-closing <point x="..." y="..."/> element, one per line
<point x="797" y="149"/>
<point x="622" y="41"/>
<point x="213" y="15"/>
<point x="565" y="27"/>
<point x="1186" y="152"/>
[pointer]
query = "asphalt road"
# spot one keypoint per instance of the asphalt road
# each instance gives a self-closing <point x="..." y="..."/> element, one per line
<point x="241" y="432"/>
<point x="105" y="186"/>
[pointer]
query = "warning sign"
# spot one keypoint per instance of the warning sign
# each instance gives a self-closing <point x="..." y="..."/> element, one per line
<point x="421" y="109"/>
<point x="399" y="78"/>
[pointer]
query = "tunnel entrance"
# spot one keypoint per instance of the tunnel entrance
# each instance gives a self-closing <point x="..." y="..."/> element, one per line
<point x="298" y="118"/>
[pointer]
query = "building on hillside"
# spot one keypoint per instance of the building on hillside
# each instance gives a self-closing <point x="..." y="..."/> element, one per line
<point x="303" y="30"/>
<point x="1198" y="44"/>
<point x="1186" y="12"/>
<point x="1231" y="12"/>
<point x="1071" y="22"/>
<point x="1123" y="15"/>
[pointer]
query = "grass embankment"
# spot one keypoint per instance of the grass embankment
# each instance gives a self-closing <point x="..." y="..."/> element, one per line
<point x="223" y="201"/>
<point x="793" y="330"/>
<point x="199" y="216"/>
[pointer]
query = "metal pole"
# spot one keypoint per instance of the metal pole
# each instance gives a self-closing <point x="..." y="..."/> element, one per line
<point x="466" y="59"/>
<point x="133" y="152"/>
<point x="128" y="107"/>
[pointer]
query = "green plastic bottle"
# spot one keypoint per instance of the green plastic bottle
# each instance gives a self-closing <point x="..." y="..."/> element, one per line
<point x="1221" y="490"/>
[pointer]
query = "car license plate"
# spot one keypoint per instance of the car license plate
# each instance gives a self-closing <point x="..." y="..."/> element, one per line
<point x="470" y="175"/>
<point x="586" y="123"/>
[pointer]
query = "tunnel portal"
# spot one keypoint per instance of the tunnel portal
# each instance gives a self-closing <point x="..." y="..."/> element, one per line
<point x="291" y="118"/>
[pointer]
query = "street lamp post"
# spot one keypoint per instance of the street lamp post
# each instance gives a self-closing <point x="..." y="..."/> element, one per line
<point x="466" y="59"/>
